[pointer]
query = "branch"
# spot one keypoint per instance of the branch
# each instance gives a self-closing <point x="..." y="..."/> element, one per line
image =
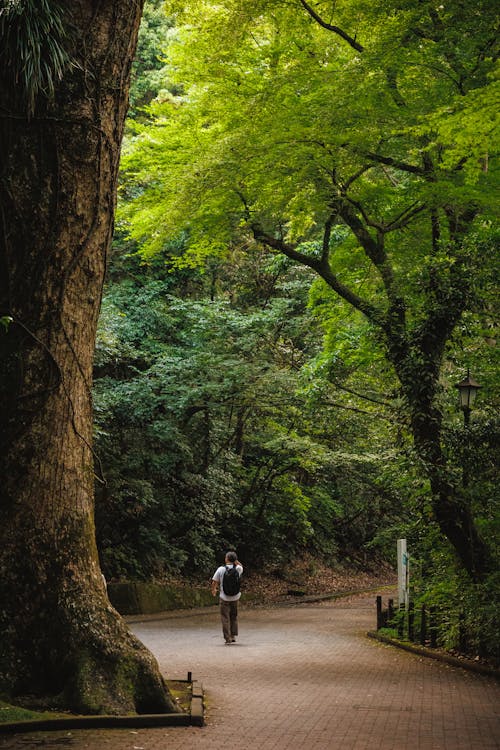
<point x="350" y="180"/>
<point x="369" y="222"/>
<point x="391" y="76"/>
<point x="360" y="395"/>
<point x="404" y="218"/>
<point x="328" y="26"/>
<point x="355" y="409"/>
<point x="390" y="162"/>
<point x="375" y="251"/>
<point x="373" y="248"/>
<point x="325" y="252"/>
<point x="323" y="269"/>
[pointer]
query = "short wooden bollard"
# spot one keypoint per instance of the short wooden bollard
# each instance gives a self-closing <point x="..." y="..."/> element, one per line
<point x="462" y="636"/>
<point x="411" y="621"/>
<point x="432" y="628"/>
<point x="423" y="625"/>
<point x="401" y="620"/>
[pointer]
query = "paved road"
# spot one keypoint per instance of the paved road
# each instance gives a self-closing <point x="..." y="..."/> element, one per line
<point x="304" y="678"/>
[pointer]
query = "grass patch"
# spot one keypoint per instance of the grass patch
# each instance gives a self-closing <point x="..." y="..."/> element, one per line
<point x="389" y="633"/>
<point x="181" y="692"/>
<point x="10" y="713"/>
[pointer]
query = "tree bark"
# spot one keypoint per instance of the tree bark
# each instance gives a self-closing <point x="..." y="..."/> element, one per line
<point x="59" y="637"/>
<point x="451" y="509"/>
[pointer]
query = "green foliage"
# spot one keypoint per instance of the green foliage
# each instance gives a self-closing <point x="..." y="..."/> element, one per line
<point x="207" y="434"/>
<point x="148" y="70"/>
<point x="33" y="46"/>
<point x="5" y="322"/>
<point x="281" y="404"/>
<point x="10" y="713"/>
<point x="321" y="108"/>
<point x="466" y="616"/>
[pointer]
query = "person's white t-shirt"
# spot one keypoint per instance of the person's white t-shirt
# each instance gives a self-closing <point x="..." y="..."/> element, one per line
<point x="219" y="575"/>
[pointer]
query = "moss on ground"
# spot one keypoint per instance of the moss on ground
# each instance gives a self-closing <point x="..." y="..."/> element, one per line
<point x="10" y="713"/>
<point x="182" y="693"/>
<point x="180" y="690"/>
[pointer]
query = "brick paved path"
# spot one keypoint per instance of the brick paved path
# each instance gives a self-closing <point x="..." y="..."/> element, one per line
<point x="304" y="678"/>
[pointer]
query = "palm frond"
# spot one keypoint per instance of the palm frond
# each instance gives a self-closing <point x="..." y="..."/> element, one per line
<point x="33" y="47"/>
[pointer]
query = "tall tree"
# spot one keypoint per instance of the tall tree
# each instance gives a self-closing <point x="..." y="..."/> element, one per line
<point x="361" y="147"/>
<point x="64" y="78"/>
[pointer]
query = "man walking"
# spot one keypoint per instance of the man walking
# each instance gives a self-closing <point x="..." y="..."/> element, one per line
<point x="227" y="579"/>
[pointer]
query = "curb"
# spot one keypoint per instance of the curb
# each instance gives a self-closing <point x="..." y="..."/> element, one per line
<point x="170" y="614"/>
<point x="454" y="661"/>
<point x="195" y="717"/>
<point x="328" y="597"/>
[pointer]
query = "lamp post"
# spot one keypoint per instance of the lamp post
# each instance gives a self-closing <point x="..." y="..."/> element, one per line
<point x="467" y="389"/>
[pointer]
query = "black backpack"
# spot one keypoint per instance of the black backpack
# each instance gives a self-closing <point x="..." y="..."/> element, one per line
<point x="231" y="581"/>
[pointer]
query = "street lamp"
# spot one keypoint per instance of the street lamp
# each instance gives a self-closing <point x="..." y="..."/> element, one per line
<point x="468" y="389"/>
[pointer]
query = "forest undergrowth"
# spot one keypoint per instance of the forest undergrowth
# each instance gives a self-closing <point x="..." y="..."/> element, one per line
<point x="310" y="577"/>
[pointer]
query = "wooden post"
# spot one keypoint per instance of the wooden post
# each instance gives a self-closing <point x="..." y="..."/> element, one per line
<point x="401" y="620"/>
<point x="423" y="625"/>
<point x="462" y="637"/>
<point x="390" y="611"/>
<point x="432" y="628"/>
<point x="379" y="612"/>
<point x="411" y="621"/>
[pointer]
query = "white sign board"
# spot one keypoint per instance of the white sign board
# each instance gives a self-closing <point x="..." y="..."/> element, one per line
<point x="403" y="574"/>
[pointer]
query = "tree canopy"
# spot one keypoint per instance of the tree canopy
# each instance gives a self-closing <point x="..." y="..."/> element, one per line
<point x="359" y="143"/>
<point x="279" y="118"/>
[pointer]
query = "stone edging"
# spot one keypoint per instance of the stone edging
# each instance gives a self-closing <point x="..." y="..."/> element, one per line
<point x="430" y="653"/>
<point x="247" y="605"/>
<point x="329" y="597"/>
<point x="195" y="717"/>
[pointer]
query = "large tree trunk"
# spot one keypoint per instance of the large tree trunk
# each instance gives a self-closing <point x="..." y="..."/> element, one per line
<point x="450" y="505"/>
<point x="59" y="636"/>
<point x="449" y="502"/>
